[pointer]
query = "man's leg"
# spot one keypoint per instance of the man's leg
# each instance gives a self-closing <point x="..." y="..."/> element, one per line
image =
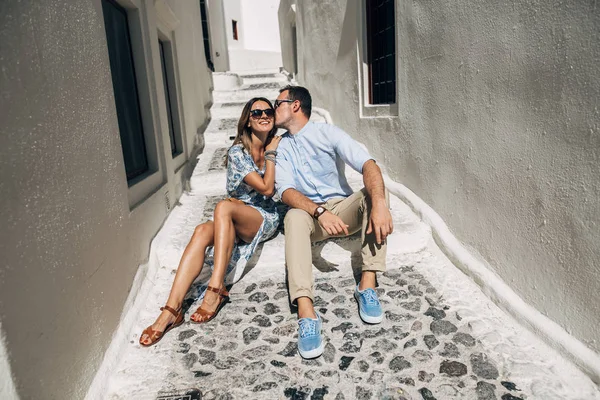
<point x="299" y="227"/>
<point x="355" y="211"/>
<point x="373" y="255"/>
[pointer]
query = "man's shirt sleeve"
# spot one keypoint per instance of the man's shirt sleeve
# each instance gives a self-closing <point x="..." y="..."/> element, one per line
<point x="284" y="175"/>
<point x="349" y="149"/>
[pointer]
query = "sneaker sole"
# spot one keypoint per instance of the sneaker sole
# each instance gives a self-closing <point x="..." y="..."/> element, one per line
<point x="367" y="318"/>
<point x="314" y="353"/>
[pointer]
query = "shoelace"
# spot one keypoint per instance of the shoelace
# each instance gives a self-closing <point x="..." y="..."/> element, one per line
<point x="370" y="297"/>
<point x="307" y="327"/>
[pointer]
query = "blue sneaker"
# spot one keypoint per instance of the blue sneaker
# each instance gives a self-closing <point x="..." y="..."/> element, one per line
<point x="369" y="307"/>
<point x="310" y="342"/>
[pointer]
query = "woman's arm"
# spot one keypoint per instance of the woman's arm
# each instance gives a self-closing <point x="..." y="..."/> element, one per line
<point x="266" y="184"/>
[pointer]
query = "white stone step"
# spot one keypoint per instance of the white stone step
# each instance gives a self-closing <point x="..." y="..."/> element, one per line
<point x="229" y="124"/>
<point x="226" y="81"/>
<point x="244" y="95"/>
<point x="234" y="110"/>
<point x="224" y="125"/>
<point x="231" y="114"/>
<point x="253" y="79"/>
<point x="227" y="110"/>
<point x="259" y="73"/>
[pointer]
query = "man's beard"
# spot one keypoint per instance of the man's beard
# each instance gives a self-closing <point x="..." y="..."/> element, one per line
<point x="280" y="125"/>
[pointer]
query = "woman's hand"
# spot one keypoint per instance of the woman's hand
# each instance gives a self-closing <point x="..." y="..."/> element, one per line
<point x="273" y="143"/>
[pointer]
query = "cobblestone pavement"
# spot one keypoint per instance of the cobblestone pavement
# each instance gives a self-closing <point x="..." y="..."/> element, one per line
<point x="422" y="344"/>
<point x="441" y="337"/>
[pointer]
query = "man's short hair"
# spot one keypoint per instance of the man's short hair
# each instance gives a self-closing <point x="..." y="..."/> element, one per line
<point x="301" y="94"/>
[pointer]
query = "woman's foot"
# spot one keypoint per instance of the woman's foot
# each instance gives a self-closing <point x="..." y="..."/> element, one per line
<point x="214" y="299"/>
<point x="169" y="318"/>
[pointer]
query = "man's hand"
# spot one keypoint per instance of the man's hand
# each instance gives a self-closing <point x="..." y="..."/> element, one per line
<point x="333" y="224"/>
<point x="380" y="222"/>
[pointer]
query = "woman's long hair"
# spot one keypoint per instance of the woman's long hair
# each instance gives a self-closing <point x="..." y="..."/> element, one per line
<point x="244" y="133"/>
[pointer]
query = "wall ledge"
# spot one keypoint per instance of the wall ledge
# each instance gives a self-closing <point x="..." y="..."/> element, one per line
<point x="8" y="390"/>
<point x="134" y="303"/>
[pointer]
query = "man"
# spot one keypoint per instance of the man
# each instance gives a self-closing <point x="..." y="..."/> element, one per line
<point x="310" y="179"/>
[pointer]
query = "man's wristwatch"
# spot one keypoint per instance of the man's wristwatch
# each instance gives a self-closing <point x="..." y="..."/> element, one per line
<point x="319" y="211"/>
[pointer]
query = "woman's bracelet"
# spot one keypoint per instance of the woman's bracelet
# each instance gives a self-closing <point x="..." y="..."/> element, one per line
<point x="271" y="158"/>
<point x="269" y="152"/>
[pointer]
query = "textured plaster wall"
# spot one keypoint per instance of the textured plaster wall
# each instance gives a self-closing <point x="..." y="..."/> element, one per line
<point x="70" y="244"/>
<point x="497" y="129"/>
<point x="286" y="16"/>
<point x="195" y="89"/>
<point x="257" y="47"/>
<point x="261" y="27"/>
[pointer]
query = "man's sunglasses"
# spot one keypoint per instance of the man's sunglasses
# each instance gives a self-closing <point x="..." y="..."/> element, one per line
<point x="278" y="102"/>
<point x="256" y="114"/>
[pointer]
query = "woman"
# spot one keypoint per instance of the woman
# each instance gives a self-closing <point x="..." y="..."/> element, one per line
<point x="247" y="218"/>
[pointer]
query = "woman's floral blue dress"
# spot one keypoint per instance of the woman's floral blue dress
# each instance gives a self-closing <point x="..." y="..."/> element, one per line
<point x="240" y="164"/>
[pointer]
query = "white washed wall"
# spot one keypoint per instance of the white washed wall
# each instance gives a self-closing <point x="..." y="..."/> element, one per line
<point x="258" y="47"/>
<point x="71" y="242"/>
<point x="496" y="127"/>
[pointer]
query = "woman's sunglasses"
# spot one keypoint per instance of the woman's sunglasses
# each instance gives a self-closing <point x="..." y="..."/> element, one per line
<point x="256" y="114"/>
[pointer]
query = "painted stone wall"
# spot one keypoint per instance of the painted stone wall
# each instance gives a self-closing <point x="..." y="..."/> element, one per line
<point x="218" y="34"/>
<point x="497" y="128"/>
<point x="71" y="244"/>
<point x="257" y="46"/>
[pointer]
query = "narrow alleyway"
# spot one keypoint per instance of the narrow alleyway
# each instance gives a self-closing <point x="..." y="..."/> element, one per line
<point x="441" y="338"/>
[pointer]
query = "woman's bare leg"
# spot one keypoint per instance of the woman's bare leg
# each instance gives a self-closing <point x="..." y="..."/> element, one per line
<point x="231" y="219"/>
<point x="188" y="270"/>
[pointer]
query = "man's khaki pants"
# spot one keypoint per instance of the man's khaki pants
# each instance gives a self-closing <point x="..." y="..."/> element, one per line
<point x="301" y="229"/>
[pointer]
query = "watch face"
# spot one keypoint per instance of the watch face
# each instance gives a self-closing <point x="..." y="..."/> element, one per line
<point x="320" y="210"/>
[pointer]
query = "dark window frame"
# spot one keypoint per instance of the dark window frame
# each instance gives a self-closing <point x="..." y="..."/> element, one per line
<point x="128" y="136"/>
<point x="381" y="51"/>
<point x="170" y="89"/>
<point x="234" y="27"/>
<point x="206" y="35"/>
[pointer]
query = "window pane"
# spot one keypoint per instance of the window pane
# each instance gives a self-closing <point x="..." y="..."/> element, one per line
<point x="391" y="94"/>
<point x="381" y="42"/>
<point x="125" y="89"/>
<point x="163" y="64"/>
<point x="389" y="43"/>
<point x="205" y="34"/>
<point x="234" y="29"/>
<point x="390" y="62"/>
<point x="390" y="16"/>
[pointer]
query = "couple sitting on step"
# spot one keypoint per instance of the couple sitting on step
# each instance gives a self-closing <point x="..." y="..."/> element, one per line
<point x="306" y="168"/>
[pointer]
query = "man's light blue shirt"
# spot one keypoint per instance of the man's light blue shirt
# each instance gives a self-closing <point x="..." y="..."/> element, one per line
<point x="313" y="161"/>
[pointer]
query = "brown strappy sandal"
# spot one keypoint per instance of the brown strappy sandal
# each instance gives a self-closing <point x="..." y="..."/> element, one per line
<point x="155" y="336"/>
<point x="206" y="316"/>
